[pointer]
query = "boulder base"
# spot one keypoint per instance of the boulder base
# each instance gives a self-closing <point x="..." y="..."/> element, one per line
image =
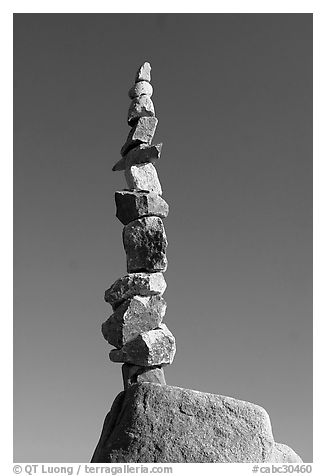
<point x="151" y="423"/>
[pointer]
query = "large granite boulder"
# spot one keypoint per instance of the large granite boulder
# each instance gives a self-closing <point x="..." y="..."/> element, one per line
<point x="151" y="423"/>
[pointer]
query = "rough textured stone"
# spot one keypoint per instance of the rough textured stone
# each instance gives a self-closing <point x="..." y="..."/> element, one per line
<point x="155" y="347"/>
<point x="140" y="107"/>
<point x="135" y="315"/>
<point x="284" y="454"/>
<point x="144" y="73"/>
<point x="141" y="154"/>
<point x="133" y="205"/>
<point x="143" y="177"/>
<point x="151" y="423"/>
<point x="142" y="132"/>
<point x="145" y="243"/>
<point x="132" y="374"/>
<point x="140" y="88"/>
<point x="141" y="284"/>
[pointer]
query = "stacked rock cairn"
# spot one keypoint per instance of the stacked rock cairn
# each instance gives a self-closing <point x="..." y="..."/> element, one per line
<point x="143" y="343"/>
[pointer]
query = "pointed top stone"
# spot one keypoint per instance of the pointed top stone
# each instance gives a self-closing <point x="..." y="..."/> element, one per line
<point x="144" y="73"/>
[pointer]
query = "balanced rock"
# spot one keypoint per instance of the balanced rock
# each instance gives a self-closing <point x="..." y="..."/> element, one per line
<point x="140" y="88"/>
<point x="141" y="284"/>
<point x="151" y="423"/>
<point x="144" y="73"/>
<point x="135" y="315"/>
<point x="143" y="177"/>
<point x="133" y="205"/>
<point x="145" y="243"/>
<point x="132" y="374"/>
<point x="141" y="154"/>
<point x="154" y="347"/>
<point x="140" y="107"/>
<point x="142" y="132"/>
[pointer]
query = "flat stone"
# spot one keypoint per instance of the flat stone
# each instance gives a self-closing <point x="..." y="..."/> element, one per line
<point x="136" y="315"/>
<point x="144" y="73"/>
<point x="141" y="284"/>
<point x="143" y="177"/>
<point x="132" y="374"/>
<point x="142" y="132"/>
<point x="140" y="107"/>
<point x="145" y="243"/>
<point x="133" y="205"/>
<point x="140" y="88"/>
<point x="154" y="347"/>
<point x="141" y="154"/>
<point x="151" y="423"/>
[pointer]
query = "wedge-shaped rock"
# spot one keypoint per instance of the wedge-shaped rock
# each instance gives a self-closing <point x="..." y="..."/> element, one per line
<point x="144" y="73"/>
<point x="133" y="205"/>
<point x="152" y="423"/>
<point x="139" y="155"/>
<point x="140" y="107"/>
<point x="143" y="177"/>
<point x="155" y="347"/>
<point x="141" y="284"/>
<point x="142" y="132"/>
<point x="145" y="243"/>
<point x="140" y="88"/>
<point x="135" y="316"/>
<point x="132" y="374"/>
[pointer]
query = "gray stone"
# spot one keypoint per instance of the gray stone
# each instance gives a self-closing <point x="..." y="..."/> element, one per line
<point x="284" y="454"/>
<point x="142" y="132"/>
<point x="141" y="284"/>
<point x="140" y="88"/>
<point x="143" y="177"/>
<point x="136" y="315"/>
<point x="141" y="154"/>
<point x="154" y="347"/>
<point x="144" y="73"/>
<point x="133" y="205"/>
<point x="132" y="374"/>
<point x="140" y="107"/>
<point x="145" y="243"/>
<point x="151" y="423"/>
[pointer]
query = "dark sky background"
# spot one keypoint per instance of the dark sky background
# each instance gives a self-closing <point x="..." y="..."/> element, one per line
<point x="233" y="95"/>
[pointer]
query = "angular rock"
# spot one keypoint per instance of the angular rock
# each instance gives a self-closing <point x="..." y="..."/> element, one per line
<point x="143" y="177"/>
<point x="140" y="88"/>
<point x="140" y="107"/>
<point x="155" y="347"/>
<point x="136" y="315"/>
<point x="144" y="73"/>
<point x="142" y="132"/>
<point x="141" y="284"/>
<point x="139" y="155"/>
<point x="132" y="374"/>
<point x="145" y="243"/>
<point x="133" y="205"/>
<point x="151" y="423"/>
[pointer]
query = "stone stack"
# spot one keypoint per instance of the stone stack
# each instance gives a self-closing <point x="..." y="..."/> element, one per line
<point x="151" y="422"/>
<point x="143" y="343"/>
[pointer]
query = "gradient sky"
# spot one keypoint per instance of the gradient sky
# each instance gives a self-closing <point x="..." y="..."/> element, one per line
<point x="233" y="95"/>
